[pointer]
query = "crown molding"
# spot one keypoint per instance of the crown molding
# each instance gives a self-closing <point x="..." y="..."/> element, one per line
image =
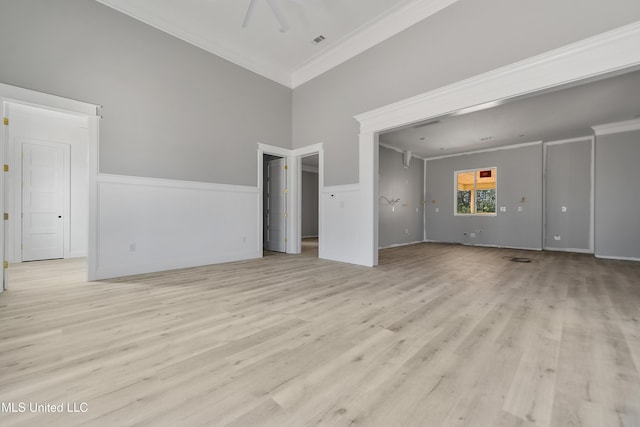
<point x="618" y="127"/>
<point x="354" y="43"/>
<point x="265" y="69"/>
<point x="367" y="36"/>
<point x="605" y="53"/>
<point x="486" y="150"/>
<point x="569" y="140"/>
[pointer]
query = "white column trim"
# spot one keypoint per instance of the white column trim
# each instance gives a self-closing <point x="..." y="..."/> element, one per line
<point x="605" y="53"/>
<point x="609" y="52"/>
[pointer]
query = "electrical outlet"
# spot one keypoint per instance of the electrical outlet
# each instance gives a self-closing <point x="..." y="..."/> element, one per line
<point x="437" y="210"/>
<point x="472" y="235"/>
<point x="503" y="208"/>
<point x="556" y="237"/>
<point x="519" y="208"/>
<point x="564" y="209"/>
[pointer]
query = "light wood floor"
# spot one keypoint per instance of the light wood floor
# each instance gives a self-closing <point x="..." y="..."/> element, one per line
<point x="438" y="335"/>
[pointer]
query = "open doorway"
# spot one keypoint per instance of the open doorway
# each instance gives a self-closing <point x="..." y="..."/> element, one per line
<point x="309" y="215"/>
<point x="274" y="206"/>
<point x="46" y="186"/>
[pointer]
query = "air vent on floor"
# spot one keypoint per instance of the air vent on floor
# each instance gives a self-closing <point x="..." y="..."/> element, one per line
<point x="318" y="39"/>
<point x="517" y="259"/>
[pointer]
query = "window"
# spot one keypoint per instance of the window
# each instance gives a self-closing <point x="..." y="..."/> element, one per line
<point x="476" y="192"/>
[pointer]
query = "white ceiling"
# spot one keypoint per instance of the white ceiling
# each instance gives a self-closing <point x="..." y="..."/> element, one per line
<point x="561" y="114"/>
<point x="290" y="58"/>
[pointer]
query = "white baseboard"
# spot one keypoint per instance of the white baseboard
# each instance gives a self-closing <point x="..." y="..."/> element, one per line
<point x="619" y="258"/>
<point x="505" y="247"/>
<point x="574" y="250"/>
<point x="397" y="245"/>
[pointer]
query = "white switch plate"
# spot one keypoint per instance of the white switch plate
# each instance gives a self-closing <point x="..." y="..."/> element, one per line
<point x="503" y="208"/>
<point x="472" y="235"/>
<point x="437" y="210"/>
<point x="519" y="208"/>
<point x="564" y="209"/>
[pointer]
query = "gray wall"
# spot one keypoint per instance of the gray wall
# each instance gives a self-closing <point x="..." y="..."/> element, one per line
<point x="467" y="38"/>
<point x="568" y="184"/>
<point x="519" y="175"/>
<point x="309" y="204"/>
<point x="171" y="110"/>
<point x="405" y="223"/>
<point x="617" y="219"/>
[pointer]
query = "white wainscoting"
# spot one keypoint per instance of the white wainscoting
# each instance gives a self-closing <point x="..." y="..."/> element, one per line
<point x="342" y="234"/>
<point x="173" y="224"/>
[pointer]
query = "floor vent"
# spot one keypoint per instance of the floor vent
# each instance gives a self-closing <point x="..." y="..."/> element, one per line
<point x="518" y="259"/>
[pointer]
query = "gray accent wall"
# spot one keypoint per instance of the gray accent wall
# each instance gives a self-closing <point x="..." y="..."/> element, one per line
<point x="519" y="174"/>
<point x="617" y="218"/>
<point x="568" y="185"/>
<point x="309" y="204"/>
<point x="171" y="110"/>
<point x="402" y="222"/>
<point x="465" y="39"/>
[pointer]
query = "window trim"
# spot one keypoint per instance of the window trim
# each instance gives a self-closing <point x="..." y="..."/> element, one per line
<point x="455" y="192"/>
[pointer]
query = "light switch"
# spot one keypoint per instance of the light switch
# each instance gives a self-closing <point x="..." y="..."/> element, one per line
<point x="503" y="208"/>
<point x="519" y="208"/>
<point x="564" y="209"/>
<point x="556" y="237"/>
<point x="437" y="210"/>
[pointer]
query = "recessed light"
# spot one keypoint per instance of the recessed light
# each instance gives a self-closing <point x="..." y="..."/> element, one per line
<point x="486" y="138"/>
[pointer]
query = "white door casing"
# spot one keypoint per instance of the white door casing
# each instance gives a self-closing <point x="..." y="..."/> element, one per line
<point x="43" y="166"/>
<point x="275" y="205"/>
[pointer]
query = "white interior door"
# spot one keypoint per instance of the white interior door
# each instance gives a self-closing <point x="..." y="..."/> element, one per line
<point x="275" y="221"/>
<point x="42" y="201"/>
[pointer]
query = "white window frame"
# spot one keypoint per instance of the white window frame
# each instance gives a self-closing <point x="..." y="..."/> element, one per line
<point x="455" y="191"/>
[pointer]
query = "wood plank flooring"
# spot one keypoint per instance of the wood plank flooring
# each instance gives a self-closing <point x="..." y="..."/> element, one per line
<point x="437" y="335"/>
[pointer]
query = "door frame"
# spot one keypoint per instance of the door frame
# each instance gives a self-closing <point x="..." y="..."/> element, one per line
<point x="309" y="150"/>
<point x="16" y="210"/>
<point x="17" y="95"/>
<point x="294" y="195"/>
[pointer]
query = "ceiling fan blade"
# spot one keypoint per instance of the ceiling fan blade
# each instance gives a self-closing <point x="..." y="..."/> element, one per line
<point x="284" y="25"/>
<point x="249" y="14"/>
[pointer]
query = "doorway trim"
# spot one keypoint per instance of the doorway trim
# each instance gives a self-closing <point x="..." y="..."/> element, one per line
<point x="294" y="193"/>
<point x="286" y="154"/>
<point x="609" y="52"/>
<point x="18" y="95"/>
<point x="309" y="150"/>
